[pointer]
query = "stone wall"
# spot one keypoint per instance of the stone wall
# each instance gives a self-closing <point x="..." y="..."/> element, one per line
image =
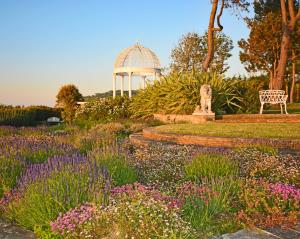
<point x="209" y="141"/>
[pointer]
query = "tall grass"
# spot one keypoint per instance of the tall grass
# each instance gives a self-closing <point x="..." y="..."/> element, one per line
<point x="118" y="167"/>
<point x="210" y="166"/>
<point x="209" y="205"/>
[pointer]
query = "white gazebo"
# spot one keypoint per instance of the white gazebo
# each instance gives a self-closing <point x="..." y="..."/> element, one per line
<point x="135" y="61"/>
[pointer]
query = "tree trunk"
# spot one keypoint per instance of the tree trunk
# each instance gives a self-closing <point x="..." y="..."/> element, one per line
<point x="210" y="36"/>
<point x="293" y="82"/>
<point x="298" y="93"/>
<point x="284" y="54"/>
<point x="271" y="79"/>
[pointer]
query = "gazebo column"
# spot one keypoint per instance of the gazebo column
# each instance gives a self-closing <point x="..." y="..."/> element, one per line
<point x="144" y="82"/>
<point x="154" y="76"/>
<point x="130" y="84"/>
<point x="114" y="85"/>
<point x="122" y="86"/>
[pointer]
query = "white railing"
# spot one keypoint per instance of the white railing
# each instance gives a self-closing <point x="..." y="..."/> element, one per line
<point x="273" y="97"/>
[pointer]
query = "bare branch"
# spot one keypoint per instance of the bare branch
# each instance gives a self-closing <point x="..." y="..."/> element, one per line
<point x="283" y="12"/>
<point x="220" y="15"/>
<point x="291" y="9"/>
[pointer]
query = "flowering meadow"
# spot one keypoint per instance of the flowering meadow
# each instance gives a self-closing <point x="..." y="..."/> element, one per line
<point x="70" y="182"/>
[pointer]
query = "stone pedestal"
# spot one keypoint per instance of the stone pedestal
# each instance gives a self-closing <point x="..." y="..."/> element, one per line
<point x="205" y="116"/>
<point x="194" y="119"/>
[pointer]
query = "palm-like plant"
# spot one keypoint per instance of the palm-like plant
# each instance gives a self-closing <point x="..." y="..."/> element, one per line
<point x="180" y="93"/>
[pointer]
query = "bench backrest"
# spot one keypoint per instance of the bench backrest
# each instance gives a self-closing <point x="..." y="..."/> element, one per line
<point x="272" y="96"/>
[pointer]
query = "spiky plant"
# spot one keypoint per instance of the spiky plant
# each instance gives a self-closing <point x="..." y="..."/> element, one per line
<point x="180" y="94"/>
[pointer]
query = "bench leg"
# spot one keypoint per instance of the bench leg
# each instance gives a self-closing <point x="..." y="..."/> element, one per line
<point x="281" y="108"/>
<point x="285" y="109"/>
<point x="261" y="108"/>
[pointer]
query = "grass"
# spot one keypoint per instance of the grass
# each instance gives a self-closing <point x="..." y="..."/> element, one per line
<point x="210" y="166"/>
<point x="291" y="108"/>
<point x="244" y="130"/>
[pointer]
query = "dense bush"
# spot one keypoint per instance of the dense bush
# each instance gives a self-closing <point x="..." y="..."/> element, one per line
<point x="180" y="93"/>
<point x="206" y="205"/>
<point x="135" y="212"/>
<point x="105" y="110"/>
<point x="272" y="167"/>
<point x="18" y="117"/>
<point x="249" y="90"/>
<point x="267" y="204"/>
<point x="57" y="186"/>
<point x="26" y="116"/>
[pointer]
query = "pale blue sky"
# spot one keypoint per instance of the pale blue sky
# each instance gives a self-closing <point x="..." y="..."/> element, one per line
<point x="47" y="43"/>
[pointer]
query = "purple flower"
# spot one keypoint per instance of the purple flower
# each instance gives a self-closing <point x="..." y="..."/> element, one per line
<point x="285" y="190"/>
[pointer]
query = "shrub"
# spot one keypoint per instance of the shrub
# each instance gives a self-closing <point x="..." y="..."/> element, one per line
<point x="275" y="168"/>
<point x="208" y="206"/>
<point x="105" y="110"/>
<point x="210" y="166"/>
<point x="135" y="212"/>
<point x="10" y="170"/>
<point x="249" y="90"/>
<point x="42" y="113"/>
<point x="26" y="116"/>
<point x="267" y="205"/>
<point x="163" y="173"/>
<point x="180" y="93"/>
<point x="118" y="167"/>
<point x="18" y="117"/>
<point x="55" y="187"/>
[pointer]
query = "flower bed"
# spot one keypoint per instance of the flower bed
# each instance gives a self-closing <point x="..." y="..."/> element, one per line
<point x="92" y="184"/>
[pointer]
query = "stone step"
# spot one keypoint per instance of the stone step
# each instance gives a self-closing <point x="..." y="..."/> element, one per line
<point x="9" y="231"/>
<point x="259" y="118"/>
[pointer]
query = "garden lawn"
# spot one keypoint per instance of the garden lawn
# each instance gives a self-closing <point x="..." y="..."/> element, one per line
<point x="244" y="130"/>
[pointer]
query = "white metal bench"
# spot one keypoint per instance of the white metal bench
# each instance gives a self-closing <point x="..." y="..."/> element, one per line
<point x="273" y="97"/>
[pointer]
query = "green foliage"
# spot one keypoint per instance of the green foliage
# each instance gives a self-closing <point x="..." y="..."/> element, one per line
<point x="249" y="90"/>
<point x="268" y="164"/>
<point x="210" y="166"/>
<point x="265" y="204"/>
<point x="105" y="110"/>
<point x="26" y="116"/>
<point x="17" y="117"/>
<point x="44" y="112"/>
<point x="190" y="53"/>
<point x="119" y="169"/>
<point x="67" y="98"/>
<point x="43" y="200"/>
<point x="180" y="93"/>
<point x="10" y="170"/>
<point x="45" y="233"/>
<point x="165" y="174"/>
<point x="205" y="206"/>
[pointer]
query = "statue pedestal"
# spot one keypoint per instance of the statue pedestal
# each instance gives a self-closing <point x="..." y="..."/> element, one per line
<point x="194" y="119"/>
<point x="205" y="116"/>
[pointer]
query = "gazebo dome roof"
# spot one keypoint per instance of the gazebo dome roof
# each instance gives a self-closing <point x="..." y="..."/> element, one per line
<point x="137" y="56"/>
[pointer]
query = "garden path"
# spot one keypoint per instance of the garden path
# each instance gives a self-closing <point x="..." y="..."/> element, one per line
<point x="274" y="233"/>
<point x="8" y="231"/>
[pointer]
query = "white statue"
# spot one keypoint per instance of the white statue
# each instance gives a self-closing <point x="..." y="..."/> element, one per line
<point x="205" y="103"/>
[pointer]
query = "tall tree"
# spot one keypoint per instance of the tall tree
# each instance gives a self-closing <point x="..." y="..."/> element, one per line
<point x="191" y="50"/>
<point x="261" y="51"/>
<point x="67" y="98"/>
<point x="215" y="18"/>
<point x="290" y="17"/>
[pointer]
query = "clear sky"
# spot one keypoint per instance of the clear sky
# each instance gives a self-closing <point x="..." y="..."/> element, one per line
<point x="47" y="43"/>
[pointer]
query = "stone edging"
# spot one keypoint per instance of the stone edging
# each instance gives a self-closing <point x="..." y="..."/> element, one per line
<point x="228" y="142"/>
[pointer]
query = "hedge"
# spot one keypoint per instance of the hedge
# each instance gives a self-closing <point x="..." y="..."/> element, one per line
<point x="26" y="116"/>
